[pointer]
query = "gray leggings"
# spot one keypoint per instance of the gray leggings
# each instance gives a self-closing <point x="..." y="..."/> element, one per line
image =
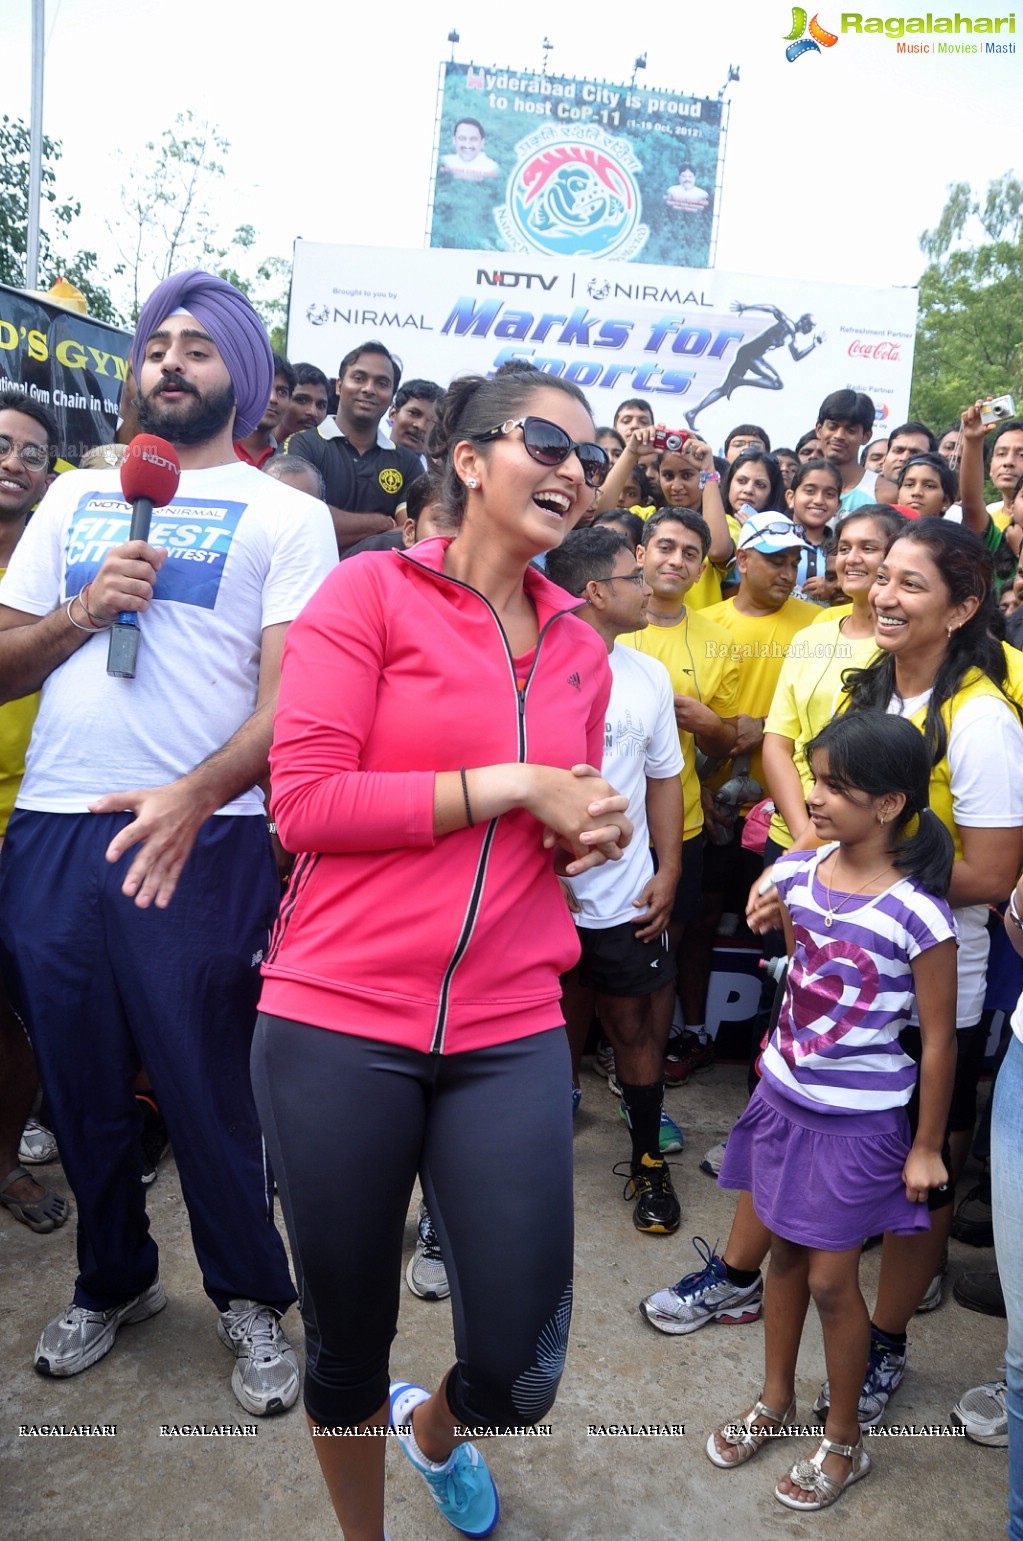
<point x="348" y="1123"/>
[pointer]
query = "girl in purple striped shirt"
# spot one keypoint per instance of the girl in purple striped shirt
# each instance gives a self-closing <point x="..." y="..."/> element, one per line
<point x="824" y="1146"/>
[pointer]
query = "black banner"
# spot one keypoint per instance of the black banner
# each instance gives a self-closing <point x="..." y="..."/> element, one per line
<point x="67" y="362"/>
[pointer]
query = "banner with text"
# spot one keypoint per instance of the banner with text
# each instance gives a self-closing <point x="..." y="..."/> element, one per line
<point x="67" y="362"/>
<point x="552" y="165"/>
<point x="706" y="348"/>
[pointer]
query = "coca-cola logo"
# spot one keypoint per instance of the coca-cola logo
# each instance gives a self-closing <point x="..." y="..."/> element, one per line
<point x="874" y="350"/>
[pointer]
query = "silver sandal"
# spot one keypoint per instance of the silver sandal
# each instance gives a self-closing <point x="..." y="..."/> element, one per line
<point x="745" y="1436"/>
<point x="812" y="1478"/>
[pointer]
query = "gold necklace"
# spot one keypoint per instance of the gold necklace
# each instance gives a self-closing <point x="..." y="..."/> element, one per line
<point x="833" y="909"/>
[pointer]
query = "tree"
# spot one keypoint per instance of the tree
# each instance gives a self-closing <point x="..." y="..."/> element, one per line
<point x="169" y="222"/>
<point x="969" y="339"/>
<point x="55" y="259"/>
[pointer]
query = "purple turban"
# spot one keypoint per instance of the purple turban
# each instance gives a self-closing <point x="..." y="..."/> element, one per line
<point x="229" y="318"/>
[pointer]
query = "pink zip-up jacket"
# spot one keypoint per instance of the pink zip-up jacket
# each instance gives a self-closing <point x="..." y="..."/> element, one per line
<point x="391" y="673"/>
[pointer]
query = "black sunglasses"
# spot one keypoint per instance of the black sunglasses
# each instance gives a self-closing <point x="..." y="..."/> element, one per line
<point x="550" y="445"/>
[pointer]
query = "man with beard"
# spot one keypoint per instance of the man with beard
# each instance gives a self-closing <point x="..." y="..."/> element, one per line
<point x="367" y="476"/>
<point x="138" y="880"/>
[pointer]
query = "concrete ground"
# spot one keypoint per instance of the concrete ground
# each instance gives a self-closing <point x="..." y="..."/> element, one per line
<point x="141" y="1486"/>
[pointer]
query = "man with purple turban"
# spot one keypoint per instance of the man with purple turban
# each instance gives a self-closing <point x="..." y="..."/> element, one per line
<point x="138" y="880"/>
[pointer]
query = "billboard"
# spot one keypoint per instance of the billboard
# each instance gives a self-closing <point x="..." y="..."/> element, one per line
<point x="67" y="362"/>
<point x="707" y="348"/>
<point x="562" y="167"/>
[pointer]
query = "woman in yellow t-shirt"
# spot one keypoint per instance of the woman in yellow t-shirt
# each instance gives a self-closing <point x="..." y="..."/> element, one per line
<point x="811" y="676"/>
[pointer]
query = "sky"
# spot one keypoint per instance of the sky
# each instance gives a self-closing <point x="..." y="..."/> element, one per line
<point x="835" y="163"/>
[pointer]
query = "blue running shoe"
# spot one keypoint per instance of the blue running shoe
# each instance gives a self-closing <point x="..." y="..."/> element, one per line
<point x="670" y="1138"/>
<point x="577" y="1097"/>
<point x="671" y="1135"/>
<point x="462" y="1488"/>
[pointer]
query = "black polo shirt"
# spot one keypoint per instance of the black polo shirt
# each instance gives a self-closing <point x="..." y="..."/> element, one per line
<point x="374" y="483"/>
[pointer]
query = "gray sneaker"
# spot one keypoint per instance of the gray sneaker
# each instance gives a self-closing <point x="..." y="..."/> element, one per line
<point x="38" y="1146"/>
<point x="981" y="1412"/>
<point x="886" y="1367"/>
<point x="77" y="1339"/>
<point x="265" y="1378"/>
<point x="708" y="1295"/>
<point x="426" y="1275"/>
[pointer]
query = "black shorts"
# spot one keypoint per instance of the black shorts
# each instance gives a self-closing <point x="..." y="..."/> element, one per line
<point x="615" y="962"/>
<point x="689" y="893"/>
<point x="962" y="1113"/>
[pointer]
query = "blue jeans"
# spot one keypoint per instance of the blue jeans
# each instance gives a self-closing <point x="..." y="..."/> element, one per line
<point x="1007" y="1205"/>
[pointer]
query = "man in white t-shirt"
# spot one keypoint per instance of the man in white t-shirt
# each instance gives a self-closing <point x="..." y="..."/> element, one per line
<point x="138" y="880"/>
<point x="627" y="967"/>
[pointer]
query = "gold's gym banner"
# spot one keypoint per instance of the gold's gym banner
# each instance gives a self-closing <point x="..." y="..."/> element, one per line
<point x="69" y="363"/>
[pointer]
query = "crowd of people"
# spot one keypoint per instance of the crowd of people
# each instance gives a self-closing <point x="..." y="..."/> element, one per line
<point x="587" y="697"/>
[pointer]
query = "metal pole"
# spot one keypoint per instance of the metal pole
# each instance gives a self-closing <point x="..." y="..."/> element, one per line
<point x="35" y="166"/>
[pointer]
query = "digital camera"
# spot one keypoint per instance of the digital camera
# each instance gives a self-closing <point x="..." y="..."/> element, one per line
<point x="671" y="439"/>
<point x="997" y="409"/>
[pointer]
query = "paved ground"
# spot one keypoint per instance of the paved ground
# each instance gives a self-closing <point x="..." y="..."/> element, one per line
<point x="141" y="1486"/>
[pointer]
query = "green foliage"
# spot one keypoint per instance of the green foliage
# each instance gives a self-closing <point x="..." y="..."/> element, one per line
<point x="969" y="340"/>
<point x="55" y="258"/>
<point x="169" y="223"/>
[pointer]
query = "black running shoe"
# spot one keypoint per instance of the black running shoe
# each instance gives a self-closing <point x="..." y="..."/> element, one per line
<point x="657" y="1211"/>
<point x="972" y="1221"/>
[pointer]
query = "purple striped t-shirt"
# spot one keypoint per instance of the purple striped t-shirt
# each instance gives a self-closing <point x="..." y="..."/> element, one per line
<point x="850" y="990"/>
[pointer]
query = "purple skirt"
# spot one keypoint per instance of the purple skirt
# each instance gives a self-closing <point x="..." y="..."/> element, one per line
<point x="824" y="1180"/>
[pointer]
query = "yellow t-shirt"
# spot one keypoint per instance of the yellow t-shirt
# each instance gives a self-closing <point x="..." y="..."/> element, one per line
<point x="697" y="656"/>
<point x="808" y="687"/>
<point x="16" y="719"/>
<point x="759" y="645"/>
<point x="706" y="591"/>
<point x="1000" y="515"/>
<point x="832" y="613"/>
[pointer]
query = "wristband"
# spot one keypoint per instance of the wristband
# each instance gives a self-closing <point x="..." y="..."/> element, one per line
<point x="709" y="476"/>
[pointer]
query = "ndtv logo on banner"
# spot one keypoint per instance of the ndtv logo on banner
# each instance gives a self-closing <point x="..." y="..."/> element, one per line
<point x="506" y="280"/>
<point x="874" y="350"/>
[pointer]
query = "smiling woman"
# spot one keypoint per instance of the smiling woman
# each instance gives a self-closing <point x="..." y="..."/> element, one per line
<point x="940" y="666"/>
<point x="406" y="669"/>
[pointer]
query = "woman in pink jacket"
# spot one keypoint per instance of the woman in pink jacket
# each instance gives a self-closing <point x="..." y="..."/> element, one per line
<point x="440" y="715"/>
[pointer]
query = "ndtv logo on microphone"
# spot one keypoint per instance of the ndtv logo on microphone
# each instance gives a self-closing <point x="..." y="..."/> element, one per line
<point x="881" y="351"/>
<point x="151" y="457"/>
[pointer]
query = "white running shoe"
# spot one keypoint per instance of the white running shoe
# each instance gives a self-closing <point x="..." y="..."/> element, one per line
<point x="38" y="1145"/>
<point x="265" y="1378"/>
<point x="79" y="1337"/>
<point x="426" y="1275"/>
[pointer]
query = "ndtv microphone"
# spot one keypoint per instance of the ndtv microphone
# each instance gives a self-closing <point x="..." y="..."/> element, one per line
<point x="150" y="472"/>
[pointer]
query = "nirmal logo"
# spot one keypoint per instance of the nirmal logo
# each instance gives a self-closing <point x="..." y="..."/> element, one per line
<point x="573" y="196"/>
<point x="800" y="42"/>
